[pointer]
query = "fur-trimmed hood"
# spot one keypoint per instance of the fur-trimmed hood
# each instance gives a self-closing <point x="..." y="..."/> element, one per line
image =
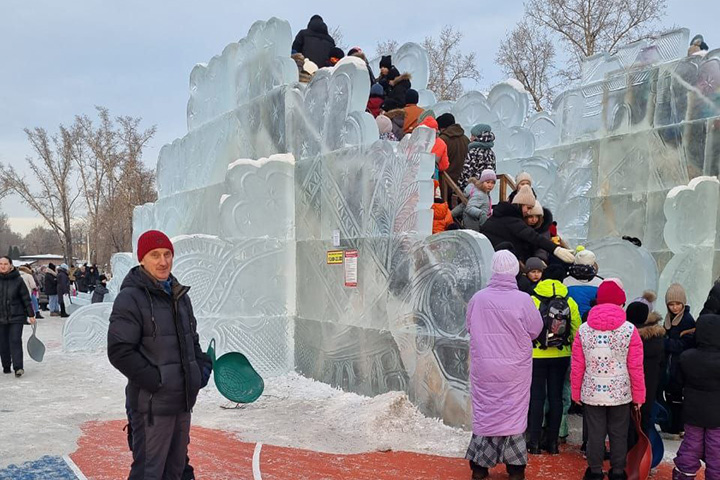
<point x="652" y="328"/>
<point x="400" y="78"/>
<point x="395" y="113"/>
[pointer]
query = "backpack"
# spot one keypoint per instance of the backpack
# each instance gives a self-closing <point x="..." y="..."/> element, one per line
<point x="557" y="319"/>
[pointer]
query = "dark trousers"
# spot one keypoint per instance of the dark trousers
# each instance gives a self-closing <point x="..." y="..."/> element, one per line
<point x="548" y="378"/>
<point x="674" y="402"/>
<point x="188" y="471"/>
<point x="612" y="422"/>
<point x="11" y="349"/>
<point x="159" y="450"/>
<point x="61" y="301"/>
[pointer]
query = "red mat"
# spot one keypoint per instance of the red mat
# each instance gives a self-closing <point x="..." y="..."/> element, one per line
<point x="102" y="454"/>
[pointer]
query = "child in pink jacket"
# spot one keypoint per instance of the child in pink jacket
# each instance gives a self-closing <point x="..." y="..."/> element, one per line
<point x="607" y="376"/>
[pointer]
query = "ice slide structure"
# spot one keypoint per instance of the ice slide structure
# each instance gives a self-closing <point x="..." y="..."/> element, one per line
<point x="307" y="241"/>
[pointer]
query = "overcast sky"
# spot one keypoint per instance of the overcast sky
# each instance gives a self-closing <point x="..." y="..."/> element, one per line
<point x="62" y="58"/>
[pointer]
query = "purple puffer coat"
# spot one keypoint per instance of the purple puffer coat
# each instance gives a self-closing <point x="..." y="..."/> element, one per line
<point x="502" y="322"/>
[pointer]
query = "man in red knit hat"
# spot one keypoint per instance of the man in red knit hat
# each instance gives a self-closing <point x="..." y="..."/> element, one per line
<point x="153" y="341"/>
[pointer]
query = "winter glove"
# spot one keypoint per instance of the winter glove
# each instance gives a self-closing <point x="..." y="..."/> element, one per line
<point x="564" y="254"/>
<point x="206" y="371"/>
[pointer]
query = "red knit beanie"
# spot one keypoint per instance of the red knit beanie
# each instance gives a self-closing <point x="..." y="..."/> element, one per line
<point x="151" y="240"/>
<point x="611" y="291"/>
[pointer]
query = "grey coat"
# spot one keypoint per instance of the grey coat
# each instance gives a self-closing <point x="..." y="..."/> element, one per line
<point x="477" y="210"/>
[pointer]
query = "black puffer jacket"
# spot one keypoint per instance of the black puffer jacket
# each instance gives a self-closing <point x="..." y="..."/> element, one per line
<point x="51" y="282"/>
<point x="700" y="375"/>
<point x="544" y="230"/>
<point x="712" y="304"/>
<point x="507" y="225"/>
<point x="153" y="341"/>
<point x="63" y="282"/>
<point x="678" y="339"/>
<point x="652" y="334"/>
<point x="314" y="42"/>
<point x="15" y="305"/>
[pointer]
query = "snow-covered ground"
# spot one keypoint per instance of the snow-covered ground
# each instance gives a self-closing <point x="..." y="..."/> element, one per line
<point x="41" y="413"/>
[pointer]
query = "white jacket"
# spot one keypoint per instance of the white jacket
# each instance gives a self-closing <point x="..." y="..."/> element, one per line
<point x="29" y="281"/>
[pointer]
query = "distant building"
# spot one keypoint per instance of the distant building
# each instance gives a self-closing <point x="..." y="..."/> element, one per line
<point x="43" y="259"/>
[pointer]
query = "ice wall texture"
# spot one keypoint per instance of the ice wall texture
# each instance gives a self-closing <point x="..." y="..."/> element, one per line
<point x="252" y="195"/>
<point x="692" y="237"/>
<point x="640" y="123"/>
<point x="271" y="169"/>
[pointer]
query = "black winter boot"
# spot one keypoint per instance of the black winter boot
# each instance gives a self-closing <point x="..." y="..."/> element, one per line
<point x="534" y="448"/>
<point x="614" y="475"/>
<point x="478" y="472"/>
<point x="551" y="447"/>
<point x="589" y="475"/>
<point x="516" y="472"/>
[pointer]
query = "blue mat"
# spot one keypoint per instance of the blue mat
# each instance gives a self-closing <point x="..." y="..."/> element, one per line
<point x="43" y="468"/>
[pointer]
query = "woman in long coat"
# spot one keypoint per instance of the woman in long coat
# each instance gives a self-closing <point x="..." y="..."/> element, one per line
<point x="502" y="322"/>
<point x="15" y="311"/>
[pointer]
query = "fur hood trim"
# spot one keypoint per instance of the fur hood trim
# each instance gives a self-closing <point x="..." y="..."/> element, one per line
<point x="395" y="113"/>
<point x="400" y="78"/>
<point x="652" y="330"/>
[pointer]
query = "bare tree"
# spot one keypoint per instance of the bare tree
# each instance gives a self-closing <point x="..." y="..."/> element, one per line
<point x="113" y="179"/>
<point x="99" y="164"/>
<point x="41" y="240"/>
<point x="128" y="184"/>
<point x="593" y="26"/>
<point x="528" y="55"/>
<point x="387" y="47"/>
<point x="337" y="35"/>
<point x="449" y="67"/>
<point x="53" y="168"/>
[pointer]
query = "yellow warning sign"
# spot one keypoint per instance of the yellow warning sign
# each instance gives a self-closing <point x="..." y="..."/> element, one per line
<point x="334" y="257"/>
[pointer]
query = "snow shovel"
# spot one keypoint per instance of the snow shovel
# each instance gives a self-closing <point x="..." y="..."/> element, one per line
<point x="35" y="348"/>
<point x="639" y="457"/>
<point x="235" y="378"/>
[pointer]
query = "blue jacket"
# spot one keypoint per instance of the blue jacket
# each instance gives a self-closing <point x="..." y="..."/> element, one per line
<point x="584" y="292"/>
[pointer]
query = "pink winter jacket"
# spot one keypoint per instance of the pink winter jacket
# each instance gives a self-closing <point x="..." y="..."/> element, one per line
<point x="607" y="360"/>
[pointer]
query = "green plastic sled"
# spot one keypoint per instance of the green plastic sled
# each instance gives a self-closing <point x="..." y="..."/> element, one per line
<point x="235" y="378"/>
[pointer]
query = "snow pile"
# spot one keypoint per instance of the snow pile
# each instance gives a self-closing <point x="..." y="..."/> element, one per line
<point x="331" y="420"/>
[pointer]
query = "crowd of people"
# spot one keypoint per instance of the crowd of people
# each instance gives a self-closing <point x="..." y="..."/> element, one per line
<point x="44" y="288"/>
<point x="546" y="335"/>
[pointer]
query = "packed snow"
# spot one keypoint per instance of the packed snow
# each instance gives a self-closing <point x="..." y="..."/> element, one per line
<point x="42" y="412"/>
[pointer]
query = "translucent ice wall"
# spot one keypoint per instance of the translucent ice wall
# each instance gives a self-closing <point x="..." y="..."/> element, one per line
<point x="275" y="177"/>
<point x="273" y="174"/>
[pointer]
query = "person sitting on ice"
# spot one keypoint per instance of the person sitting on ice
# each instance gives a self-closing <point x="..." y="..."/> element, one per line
<point x="479" y="203"/>
<point x="502" y="323"/>
<point x="540" y="219"/>
<point x="522" y="178"/>
<point x="507" y="224"/>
